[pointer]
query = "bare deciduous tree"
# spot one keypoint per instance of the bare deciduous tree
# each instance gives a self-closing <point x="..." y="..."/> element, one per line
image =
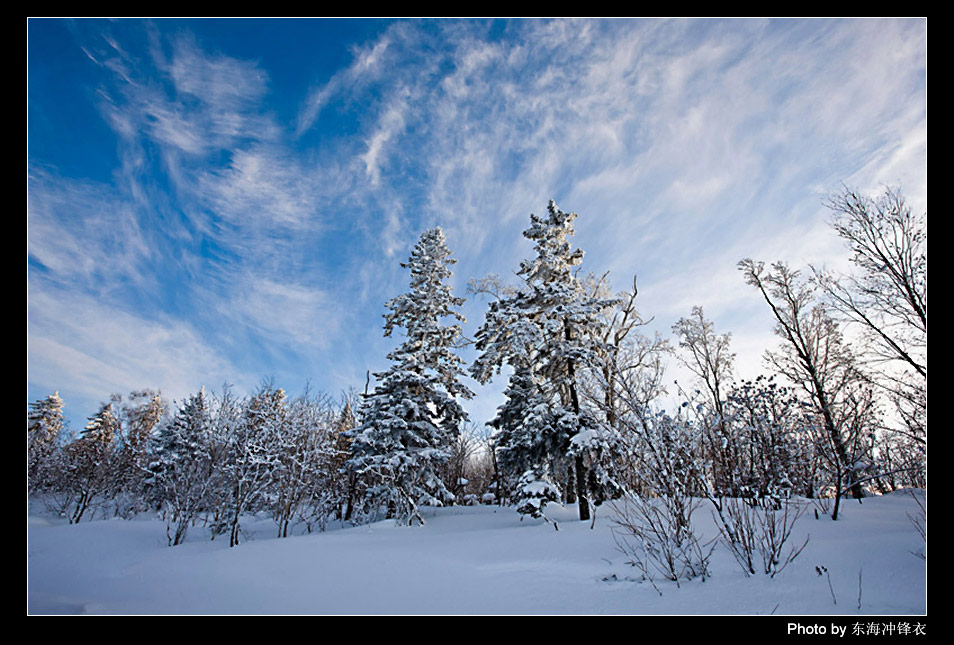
<point x="814" y="357"/>
<point x="886" y="301"/>
<point x="625" y="352"/>
<point x="708" y="357"/>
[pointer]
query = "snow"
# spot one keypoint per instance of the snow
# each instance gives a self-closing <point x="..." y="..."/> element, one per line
<point x="480" y="560"/>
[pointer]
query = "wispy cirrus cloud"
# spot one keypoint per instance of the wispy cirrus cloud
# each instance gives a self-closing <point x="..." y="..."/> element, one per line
<point x="655" y="127"/>
<point x="85" y="235"/>
<point x="288" y="310"/>
<point x="365" y="68"/>
<point x="685" y="145"/>
<point x="204" y="196"/>
<point x="261" y="186"/>
<point x="91" y="350"/>
<point x="389" y="126"/>
<point x="188" y="100"/>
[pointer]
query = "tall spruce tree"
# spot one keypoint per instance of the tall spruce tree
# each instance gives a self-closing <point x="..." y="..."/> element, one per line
<point x="414" y="413"/>
<point x="548" y="331"/>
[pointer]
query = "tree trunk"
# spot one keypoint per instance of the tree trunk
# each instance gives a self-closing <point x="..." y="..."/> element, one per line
<point x="581" y="477"/>
<point x="581" y="488"/>
<point x="234" y="534"/>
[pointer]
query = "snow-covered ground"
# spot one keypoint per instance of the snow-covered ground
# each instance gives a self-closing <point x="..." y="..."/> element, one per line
<point x="466" y="560"/>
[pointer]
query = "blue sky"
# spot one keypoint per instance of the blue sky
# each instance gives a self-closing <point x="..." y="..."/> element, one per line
<point x="229" y="200"/>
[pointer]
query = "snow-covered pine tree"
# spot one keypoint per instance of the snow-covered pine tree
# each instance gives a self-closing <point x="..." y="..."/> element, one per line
<point x="142" y="415"/>
<point x="44" y="424"/>
<point x="548" y="331"/>
<point x="414" y="413"/>
<point x="91" y="461"/>
<point x="524" y="442"/>
<point x="139" y="417"/>
<point x="185" y="467"/>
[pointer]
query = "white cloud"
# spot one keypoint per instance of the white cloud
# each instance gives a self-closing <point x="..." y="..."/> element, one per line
<point x="100" y="350"/>
<point x="262" y="187"/>
<point x="193" y="103"/>
<point x="389" y="126"/>
<point x="366" y="67"/>
<point x="290" y="314"/>
<point x="85" y="234"/>
<point x="226" y="83"/>
<point x="684" y="145"/>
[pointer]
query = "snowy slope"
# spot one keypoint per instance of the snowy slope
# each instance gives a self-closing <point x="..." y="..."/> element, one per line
<point x="465" y="560"/>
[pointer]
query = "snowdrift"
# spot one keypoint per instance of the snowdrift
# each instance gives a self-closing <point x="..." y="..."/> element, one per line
<point x="481" y="560"/>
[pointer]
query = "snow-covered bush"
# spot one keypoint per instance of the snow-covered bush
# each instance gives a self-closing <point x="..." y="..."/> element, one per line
<point x="657" y="534"/>
<point x="758" y="536"/>
<point x="654" y="526"/>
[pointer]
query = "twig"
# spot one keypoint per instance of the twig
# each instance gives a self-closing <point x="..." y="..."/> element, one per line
<point x="859" y="586"/>
<point x="823" y="571"/>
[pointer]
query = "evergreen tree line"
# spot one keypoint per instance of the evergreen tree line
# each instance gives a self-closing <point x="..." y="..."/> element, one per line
<point x="582" y="421"/>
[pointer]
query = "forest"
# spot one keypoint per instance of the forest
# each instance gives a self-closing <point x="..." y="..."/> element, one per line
<point x="839" y="413"/>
